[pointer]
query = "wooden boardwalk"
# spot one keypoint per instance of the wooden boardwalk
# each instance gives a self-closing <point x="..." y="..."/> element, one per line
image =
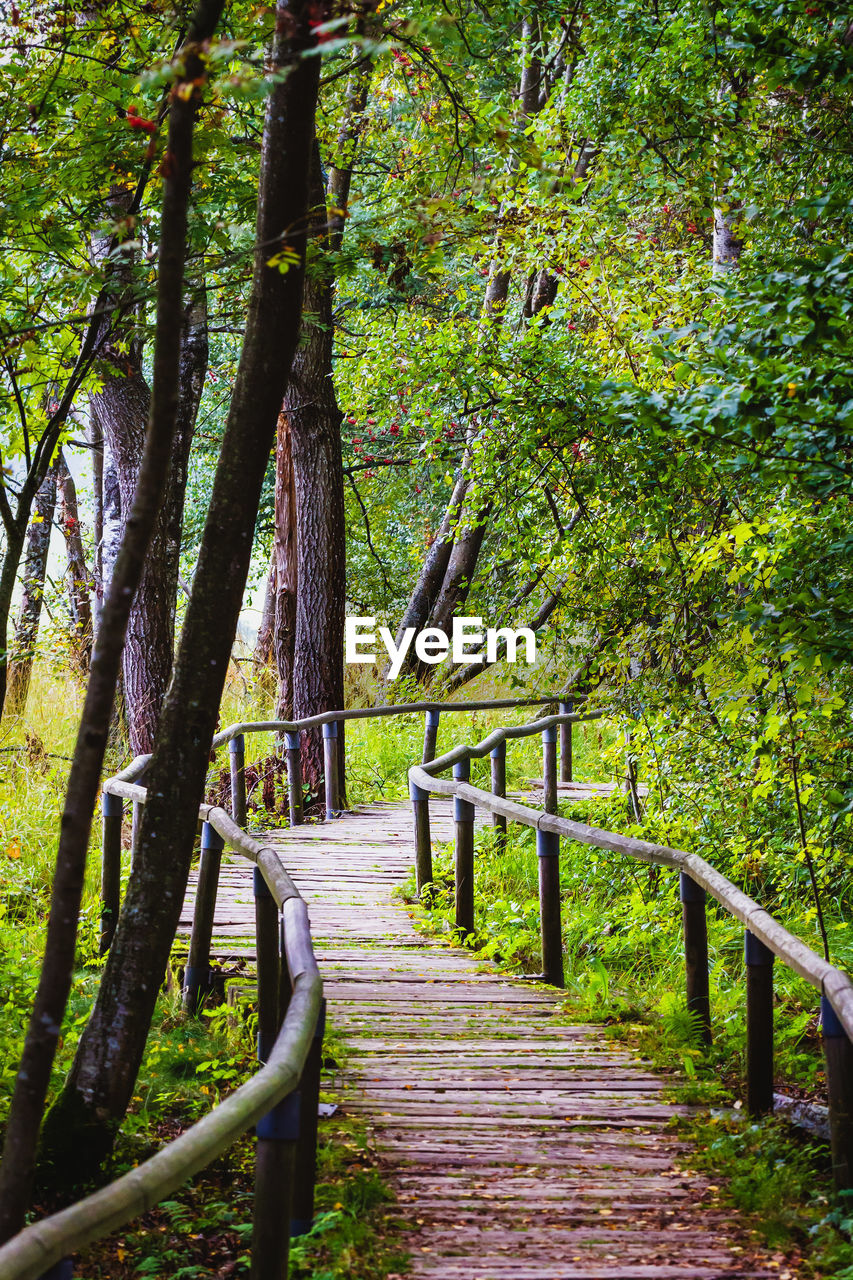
<point x="518" y="1145"/>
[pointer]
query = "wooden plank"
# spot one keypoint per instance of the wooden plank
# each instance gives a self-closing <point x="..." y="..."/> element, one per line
<point x="518" y="1144"/>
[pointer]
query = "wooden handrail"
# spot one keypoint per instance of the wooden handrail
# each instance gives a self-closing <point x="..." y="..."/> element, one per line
<point x="39" y="1247"/>
<point x="28" y="1255"/>
<point x="369" y="713"/>
<point x="836" y="985"/>
<point x="764" y="937"/>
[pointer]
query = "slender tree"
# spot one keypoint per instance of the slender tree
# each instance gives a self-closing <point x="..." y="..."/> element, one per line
<point x="18" y="1163"/>
<point x="32" y="595"/>
<point x="83" y="1122"/>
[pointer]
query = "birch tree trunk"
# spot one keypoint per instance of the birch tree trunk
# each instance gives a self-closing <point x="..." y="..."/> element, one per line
<point x="121" y="409"/>
<point x="78" y="577"/>
<point x="29" y="614"/>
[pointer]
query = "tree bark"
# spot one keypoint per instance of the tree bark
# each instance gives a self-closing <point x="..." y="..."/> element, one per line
<point x="31" y="1083"/>
<point x="149" y="651"/>
<point x="286" y="569"/>
<point x="29" y="614"/>
<point x="314" y="417"/>
<point x="120" y="410"/>
<point x="101" y="1082"/>
<point x="310" y="547"/>
<point x="78" y="578"/>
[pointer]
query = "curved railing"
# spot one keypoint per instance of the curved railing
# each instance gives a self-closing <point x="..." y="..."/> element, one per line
<point x="281" y="1098"/>
<point x="765" y="938"/>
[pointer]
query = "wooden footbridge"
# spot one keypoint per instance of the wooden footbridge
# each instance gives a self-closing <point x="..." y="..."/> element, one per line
<point x="517" y="1143"/>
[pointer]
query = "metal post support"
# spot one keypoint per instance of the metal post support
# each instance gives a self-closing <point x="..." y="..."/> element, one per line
<point x="548" y="852"/>
<point x="285" y="986"/>
<point x="423" y="839"/>
<point x="759" y="1024"/>
<point x="266" y="945"/>
<point x="549" y="767"/>
<point x="497" y="757"/>
<point x="330" y="768"/>
<point x="696" y="953"/>
<point x="237" y="757"/>
<point x="135" y="819"/>
<point x="431" y="722"/>
<point x="306" y="1147"/>
<point x="197" y="972"/>
<point x="294" y="777"/>
<point x="838" y="1055"/>
<point x="63" y="1270"/>
<point x="113" y="814"/>
<point x="566" y="709"/>
<point x="275" y="1176"/>
<point x="463" y="814"/>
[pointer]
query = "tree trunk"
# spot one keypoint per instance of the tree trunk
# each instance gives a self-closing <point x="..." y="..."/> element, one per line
<point x="79" y="580"/>
<point x="286" y="569"/>
<point x="346" y="147"/>
<point x="96" y="443"/>
<point x="461" y="568"/>
<point x="29" y="614"/>
<point x="112" y="519"/>
<point x="102" y="1079"/>
<point x="315" y="426"/>
<point x="265" y="642"/>
<point x="471" y="670"/>
<point x="310" y="545"/>
<point x="149" y="650"/>
<point x="33" y="1077"/>
<point x="15" y="538"/>
<point x="426" y="589"/>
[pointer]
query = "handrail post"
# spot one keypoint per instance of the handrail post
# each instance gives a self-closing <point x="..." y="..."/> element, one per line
<point x="838" y="1055"/>
<point x="431" y="723"/>
<point x="696" y="953"/>
<point x="629" y="786"/>
<point x="113" y="815"/>
<point x="759" y="1024"/>
<point x="285" y="986"/>
<point x="277" y="1131"/>
<point x="330" y="767"/>
<point x="197" y="972"/>
<point x="549" y="768"/>
<point x="62" y="1270"/>
<point x="306" y="1146"/>
<point x="567" y="706"/>
<point x="548" y="853"/>
<point x="237" y="758"/>
<point x="294" y="777"/>
<point x="497" y="758"/>
<point x="463" y="814"/>
<point x="136" y="817"/>
<point x="266" y="946"/>
<point x="275" y="1177"/>
<point x="423" y="839"/>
